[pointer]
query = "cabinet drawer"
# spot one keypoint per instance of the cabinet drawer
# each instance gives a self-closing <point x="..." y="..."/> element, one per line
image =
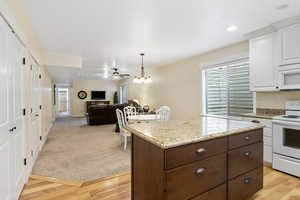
<point x="247" y="138"/>
<point x="246" y="185"/>
<point x="187" y="154"/>
<point x="191" y="180"/>
<point x="218" y="193"/>
<point x="244" y="159"/>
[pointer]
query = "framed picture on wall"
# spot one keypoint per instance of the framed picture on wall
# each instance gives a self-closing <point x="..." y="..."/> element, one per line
<point x="82" y="94"/>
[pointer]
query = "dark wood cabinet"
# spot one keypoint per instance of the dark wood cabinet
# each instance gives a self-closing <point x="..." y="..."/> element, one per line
<point x="218" y="193"/>
<point x="244" y="186"/>
<point x="244" y="159"/>
<point x="246" y="138"/>
<point x="226" y="168"/>
<point x="190" y="180"/>
<point x="190" y="153"/>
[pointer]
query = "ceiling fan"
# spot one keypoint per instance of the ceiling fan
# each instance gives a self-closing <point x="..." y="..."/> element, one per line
<point x="117" y="75"/>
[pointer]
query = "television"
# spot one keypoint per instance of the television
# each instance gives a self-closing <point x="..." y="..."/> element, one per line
<point x="98" y="95"/>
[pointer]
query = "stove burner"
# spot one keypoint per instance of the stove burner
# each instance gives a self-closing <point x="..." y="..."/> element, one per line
<point x="291" y="116"/>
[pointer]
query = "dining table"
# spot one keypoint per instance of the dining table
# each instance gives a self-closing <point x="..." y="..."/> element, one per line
<point x="142" y="117"/>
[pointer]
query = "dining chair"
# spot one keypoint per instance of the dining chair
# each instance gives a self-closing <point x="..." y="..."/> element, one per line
<point x="129" y="111"/>
<point x="163" y="113"/>
<point x="122" y="124"/>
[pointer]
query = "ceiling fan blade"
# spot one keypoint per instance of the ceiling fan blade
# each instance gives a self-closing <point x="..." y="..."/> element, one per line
<point x="125" y="75"/>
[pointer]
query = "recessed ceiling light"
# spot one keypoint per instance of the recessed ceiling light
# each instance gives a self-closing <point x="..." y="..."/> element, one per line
<point x="282" y="6"/>
<point x="232" y="28"/>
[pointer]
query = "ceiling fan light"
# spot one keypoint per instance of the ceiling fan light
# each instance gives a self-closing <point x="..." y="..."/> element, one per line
<point x="115" y="76"/>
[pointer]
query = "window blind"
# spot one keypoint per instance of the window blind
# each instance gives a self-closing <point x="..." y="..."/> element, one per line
<point x="227" y="89"/>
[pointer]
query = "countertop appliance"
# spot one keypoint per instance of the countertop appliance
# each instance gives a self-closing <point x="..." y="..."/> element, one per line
<point x="286" y="140"/>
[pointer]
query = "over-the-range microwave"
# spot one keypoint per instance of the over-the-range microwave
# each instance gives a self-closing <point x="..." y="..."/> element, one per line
<point x="289" y="77"/>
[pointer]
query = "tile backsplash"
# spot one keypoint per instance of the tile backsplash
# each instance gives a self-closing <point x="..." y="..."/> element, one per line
<point x="275" y="99"/>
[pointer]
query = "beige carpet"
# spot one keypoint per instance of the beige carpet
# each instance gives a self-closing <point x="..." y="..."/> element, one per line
<point x="77" y="152"/>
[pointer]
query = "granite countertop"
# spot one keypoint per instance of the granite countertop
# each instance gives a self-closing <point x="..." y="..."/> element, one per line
<point x="173" y="133"/>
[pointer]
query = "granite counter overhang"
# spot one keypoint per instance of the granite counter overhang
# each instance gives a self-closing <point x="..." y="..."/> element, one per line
<point x="173" y="133"/>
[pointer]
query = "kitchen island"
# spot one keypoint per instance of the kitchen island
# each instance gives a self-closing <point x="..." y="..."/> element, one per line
<point x="205" y="159"/>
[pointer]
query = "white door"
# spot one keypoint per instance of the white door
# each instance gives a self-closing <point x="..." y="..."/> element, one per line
<point x="18" y="138"/>
<point x="5" y="116"/>
<point x="35" y="110"/>
<point x="289" y="45"/>
<point x="27" y="98"/>
<point x="262" y="68"/>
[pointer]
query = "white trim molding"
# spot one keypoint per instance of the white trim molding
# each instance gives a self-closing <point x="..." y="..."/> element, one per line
<point x="273" y="27"/>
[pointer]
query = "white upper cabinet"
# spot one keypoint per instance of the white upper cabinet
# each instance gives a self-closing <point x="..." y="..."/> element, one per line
<point x="263" y="76"/>
<point x="290" y="45"/>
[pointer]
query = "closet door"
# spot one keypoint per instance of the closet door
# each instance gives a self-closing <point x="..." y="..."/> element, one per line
<point x="18" y="136"/>
<point x="5" y="116"/>
<point x="35" y="115"/>
<point x="27" y="104"/>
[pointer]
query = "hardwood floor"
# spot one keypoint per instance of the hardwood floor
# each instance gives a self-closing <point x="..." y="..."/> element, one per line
<point x="277" y="186"/>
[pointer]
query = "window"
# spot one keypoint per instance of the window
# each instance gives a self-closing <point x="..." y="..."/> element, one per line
<point x="227" y="89"/>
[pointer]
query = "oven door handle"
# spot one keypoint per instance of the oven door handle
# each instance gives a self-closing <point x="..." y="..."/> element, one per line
<point x="286" y="123"/>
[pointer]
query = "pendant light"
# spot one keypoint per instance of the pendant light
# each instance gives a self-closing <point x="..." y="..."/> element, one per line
<point x="142" y="78"/>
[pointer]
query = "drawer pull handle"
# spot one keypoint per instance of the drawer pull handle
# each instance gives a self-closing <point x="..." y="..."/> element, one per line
<point x="200" y="171"/>
<point x="248" y="153"/>
<point x="255" y="121"/>
<point x="247" y="138"/>
<point x="201" y="150"/>
<point x="247" y="180"/>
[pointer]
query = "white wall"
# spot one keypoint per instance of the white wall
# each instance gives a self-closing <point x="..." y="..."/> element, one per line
<point x="78" y="106"/>
<point x="179" y="85"/>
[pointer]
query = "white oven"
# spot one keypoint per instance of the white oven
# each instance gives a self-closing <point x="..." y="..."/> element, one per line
<point x="286" y="138"/>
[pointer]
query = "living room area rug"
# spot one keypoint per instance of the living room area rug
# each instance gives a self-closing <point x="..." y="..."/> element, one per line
<point x="77" y="152"/>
